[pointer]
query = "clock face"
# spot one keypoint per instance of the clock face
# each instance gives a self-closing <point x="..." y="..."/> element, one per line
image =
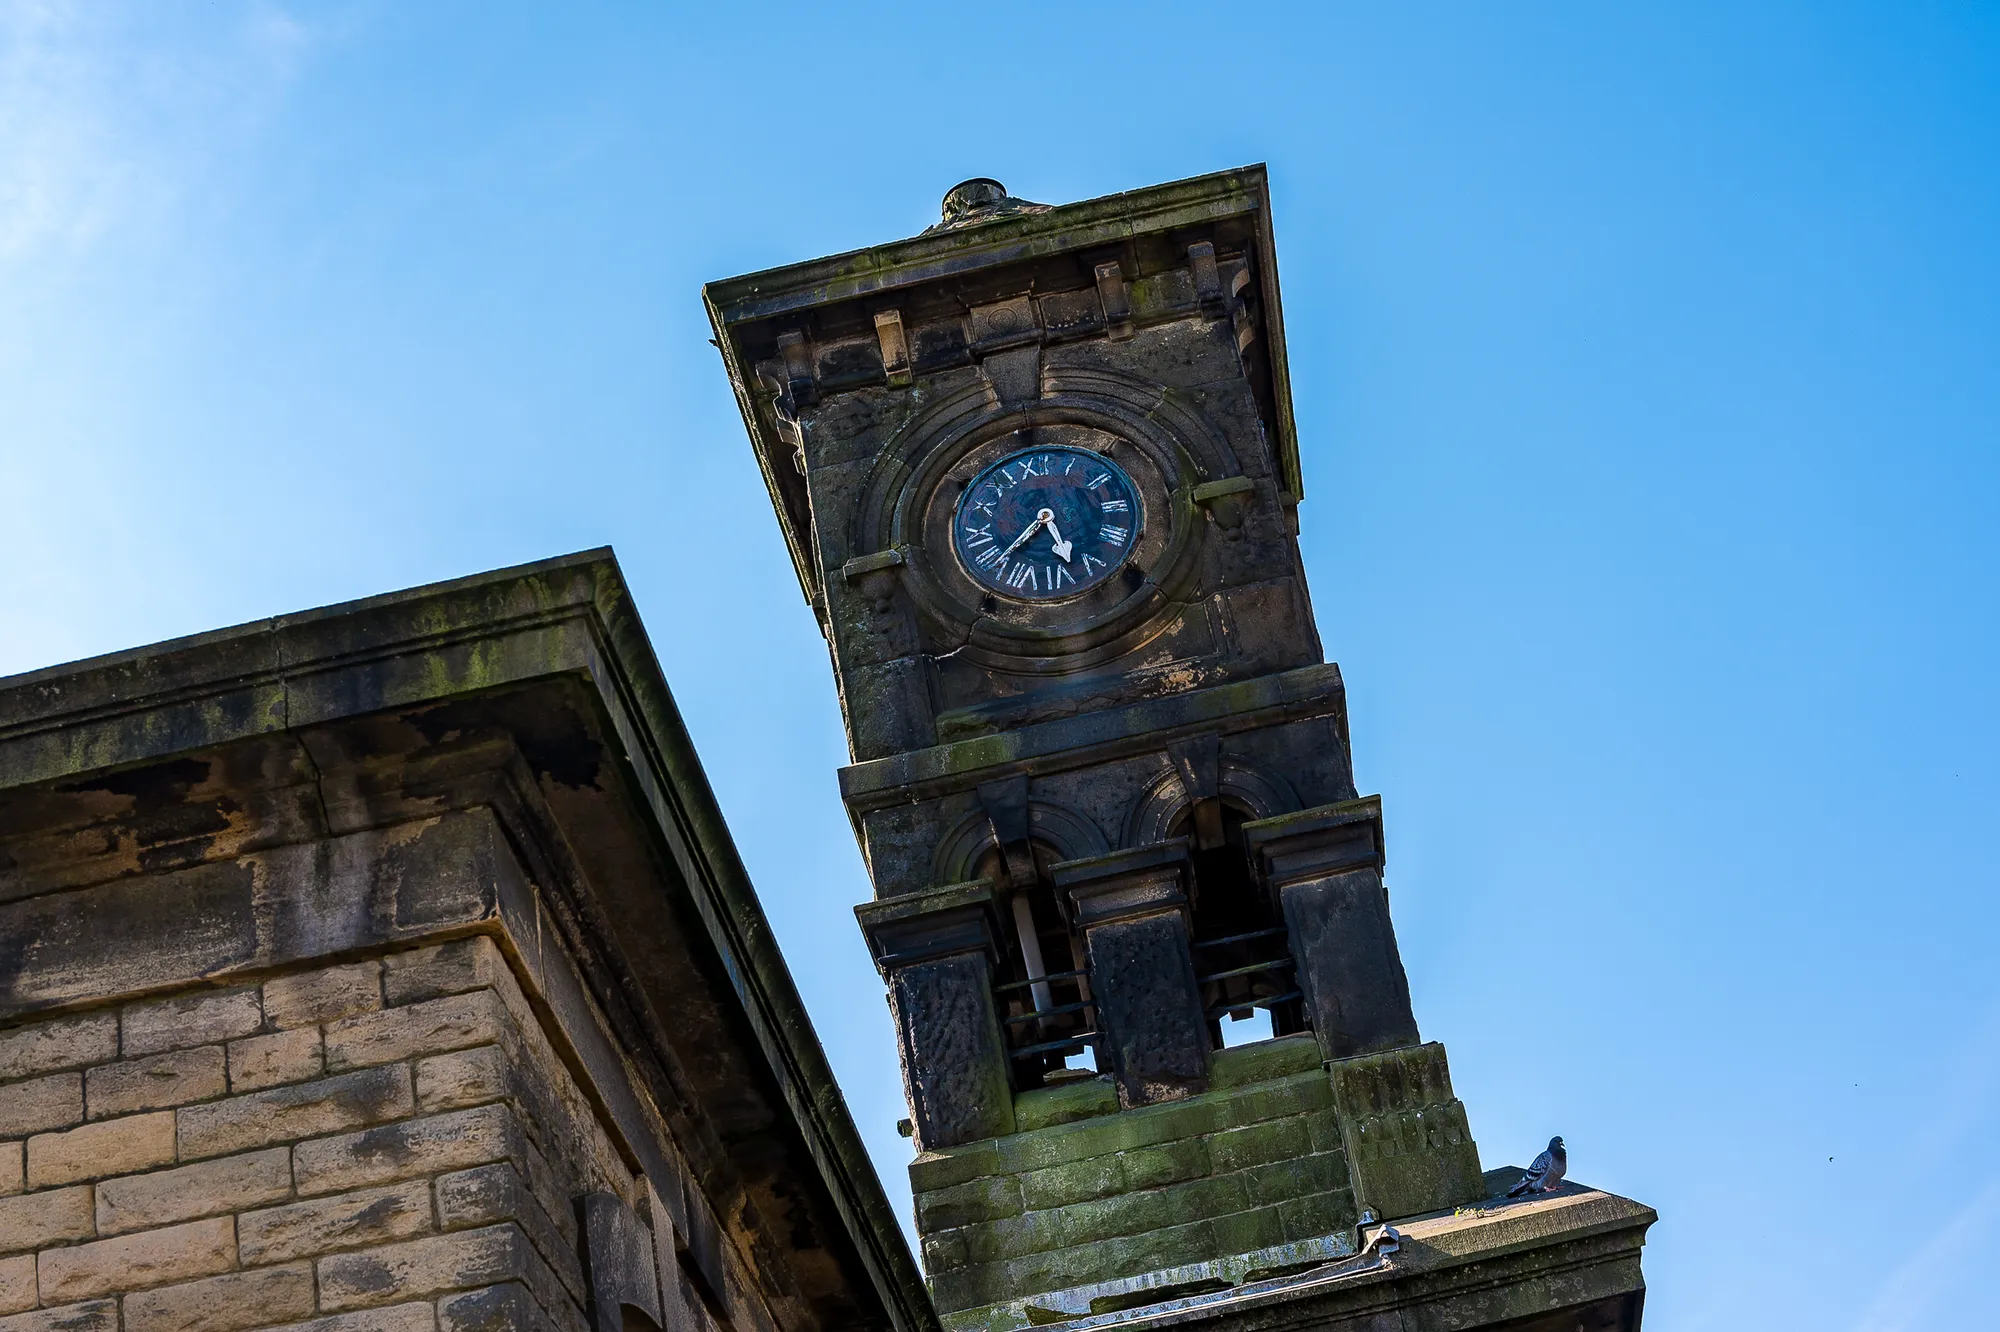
<point x="1043" y="524"/>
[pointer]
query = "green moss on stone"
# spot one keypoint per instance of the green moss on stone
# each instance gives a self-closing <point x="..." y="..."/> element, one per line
<point x="1264" y="1061"/>
<point x="1065" y="1104"/>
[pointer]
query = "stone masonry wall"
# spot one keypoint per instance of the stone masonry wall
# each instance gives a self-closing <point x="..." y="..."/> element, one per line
<point x="1088" y="1204"/>
<point x="390" y="1145"/>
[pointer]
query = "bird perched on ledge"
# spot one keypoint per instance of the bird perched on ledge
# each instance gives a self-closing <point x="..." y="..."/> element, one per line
<point x="1545" y="1172"/>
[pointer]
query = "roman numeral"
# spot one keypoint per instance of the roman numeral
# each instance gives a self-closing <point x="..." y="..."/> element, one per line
<point x="988" y="558"/>
<point x="1028" y="468"/>
<point x="1115" y="535"/>
<point x="1115" y="506"/>
<point x="1089" y="560"/>
<point x="1097" y="482"/>
<point x="1023" y="576"/>
<point x="1060" y="576"/>
<point x="975" y="537"/>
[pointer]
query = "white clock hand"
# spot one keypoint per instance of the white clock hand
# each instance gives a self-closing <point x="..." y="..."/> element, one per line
<point x="1061" y="547"/>
<point x="1028" y="531"/>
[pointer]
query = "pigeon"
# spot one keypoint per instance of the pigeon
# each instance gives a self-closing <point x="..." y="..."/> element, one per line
<point x="1546" y="1172"/>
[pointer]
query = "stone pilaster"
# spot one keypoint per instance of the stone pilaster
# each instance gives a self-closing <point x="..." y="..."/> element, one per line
<point x="1131" y="908"/>
<point x="936" y="950"/>
<point x="1325" y="867"/>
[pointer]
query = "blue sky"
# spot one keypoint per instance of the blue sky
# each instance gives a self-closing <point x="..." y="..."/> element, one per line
<point x="1647" y="363"/>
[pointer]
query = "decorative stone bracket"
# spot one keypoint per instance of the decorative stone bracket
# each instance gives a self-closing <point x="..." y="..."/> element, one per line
<point x="623" y="1273"/>
<point x="936" y="950"/>
<point x="1228" y="503"/>
<point x="1409" y="1148"/>
<point x="1325" y="867"/>
<point x="1132" y="909"/>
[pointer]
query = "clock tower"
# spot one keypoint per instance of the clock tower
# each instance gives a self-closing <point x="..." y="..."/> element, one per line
<point x="1039" y="477"/>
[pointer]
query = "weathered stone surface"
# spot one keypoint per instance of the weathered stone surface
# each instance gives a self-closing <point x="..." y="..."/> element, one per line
<point x="135" y="1262"/>
<point x="310" y="997"/>
<point x="149" y="1083"/>
<point x="347" y="1221"/>
<point x="31" y="1221"/>
<point x="284" y="1114"/>
<point x="111" y="1147"/>
<point x="189" y="1019"/>
<point x="256" y="1062"/>
<point x="58" y="1043"/>
<point x="40" y="1104"/>
<point x="426" y="1146"/>
<point x="463" y="1078"/>
<point x="89" y="1316"/>
<point x="403" y="1318"/>
<point x="432" y="1027"/>
<point x="494" y="1193"/>
<point x="17" y="1284"/>
<point x="227" y="1303"/>
<point x="450" y="968"/>
<point x="13" y="1167"/>
<point x="207" y="1188"/>
<point x="423" y="1267"/>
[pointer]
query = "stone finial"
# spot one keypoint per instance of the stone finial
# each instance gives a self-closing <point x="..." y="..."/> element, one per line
<point x="981" y="199"/>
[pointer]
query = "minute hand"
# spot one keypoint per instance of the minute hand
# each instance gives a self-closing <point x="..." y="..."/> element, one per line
<point x="1028" y="531"/>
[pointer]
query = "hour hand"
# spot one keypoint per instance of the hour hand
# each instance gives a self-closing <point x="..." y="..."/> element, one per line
<point x="1056" y="542"/>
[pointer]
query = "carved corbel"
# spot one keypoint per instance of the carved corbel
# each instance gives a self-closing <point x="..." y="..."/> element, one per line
<point x="1207" y="277"/>
<point x="1116" y="298"/>
<point x="1227" y="502"/>
<point x="798" y="358"/>
<point x="874" y="576"/>
<point x="895" y="347"/>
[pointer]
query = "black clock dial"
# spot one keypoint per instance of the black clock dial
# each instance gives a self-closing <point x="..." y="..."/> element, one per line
<point x="1043" y="524"/>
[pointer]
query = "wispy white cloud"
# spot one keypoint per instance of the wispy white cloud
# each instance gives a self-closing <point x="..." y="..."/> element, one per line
<point x="110" y="117"/>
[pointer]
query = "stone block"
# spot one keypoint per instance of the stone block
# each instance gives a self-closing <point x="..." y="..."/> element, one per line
<point x="134" y="1262"/>
<point x="41" y="1104"/>
<point x="108" y="1147"/>
<point x="1260" y="1144"/>
<point x="503" y="1308"/>
<point x="1263" y="1061"/>
<point x="256" y="1062"/>
<point x="207" y="1188"/>
<point x="462" y="1078"/>
<point x="403" y="1318"/>
<point x="489" y="1194"/>
<point x="450" y="968"/>
<point x="13" y="1167"/>
<point x="433" y="1145"/>
<point x="311" y="997"/>
<point x="431" y="1027"/>
<point x="1078" y="1181"/>
<point x="1168" y="1163"/>
<point x="967" y="1204"/>
<point x="942" y="1169"/>
<point x="1297" y="1095"/>
<point x="1279" y="1181"/>
<point x="1015" y="1236"/>
<point x="17" y="1284"/>
<point x="1046" y="1107"/>
<point x="228" y="1303"/>
<point x="945" y="1251"/>
<point x="1408" y="1145"/>
<point x="1317" y="1214"/>
<point x="203" y="1018"/>
<point x="430" y="1266"/>
<point x="347" y="1221"/>
<point x="285" y="1114"/>
<point x="90" y="1316"/>
<point x="34" y="1220"/>
<point x="45" y="1047"/>
<point x="151" y="1083"/>
<point x="1247" y="1231"/>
